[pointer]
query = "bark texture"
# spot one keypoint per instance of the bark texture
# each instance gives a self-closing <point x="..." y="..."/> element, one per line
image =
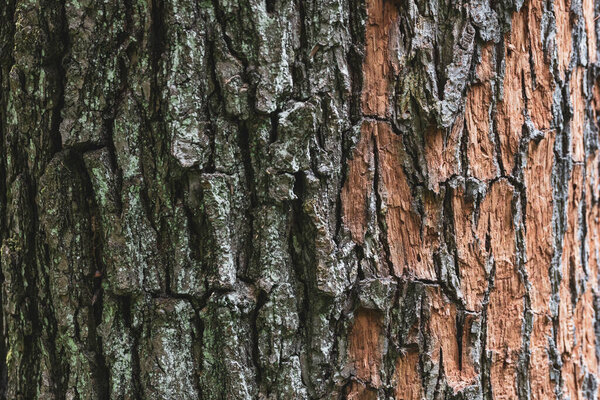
<point x="304" y="199"/>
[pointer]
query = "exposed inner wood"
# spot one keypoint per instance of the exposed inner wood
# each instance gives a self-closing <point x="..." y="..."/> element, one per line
<point x="470" y="250"/>
<point x="538" y="237"/>
<point x="381" y="15"/>
<point x="578" y="122"/>
<point x="366" y="352"/>
<point x="408" y="377"/>
<point x="357" y="190"/>
<point x="506" y="303"/>
<point x="442" y="154"/>
<point x="563" y="33"/>
<point x="481" y="151"/>
<point x="457" y="362"/>
<point x="590" y="29"/>
<point x="409" y="235"/>
<point x="525" y="59"/>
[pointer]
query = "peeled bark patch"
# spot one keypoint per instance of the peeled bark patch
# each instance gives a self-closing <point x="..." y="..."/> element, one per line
<point x="590" y="29"/>
<point x="374" y="102"/>
<point x="563" y="33"/>
<point x="450" y="343"/>
<point x="381" y="14"/>
<point x="506" y="303"/>
<point x="481" y="150"/>
<point x="357" y="189"/>
<point x="571" y="287"/>
<point x="408" y="376"/>
<point x="406" y="235"/>
<point x="538" y="225"/>
<point x="365" y="349"/>
<point x="470" y="251"/>
<point x="442" y="153"/>
<point x="578" y="121"/>
<point x="528" y="84"/>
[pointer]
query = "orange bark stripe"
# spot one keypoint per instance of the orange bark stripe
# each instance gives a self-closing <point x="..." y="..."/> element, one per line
<point x="408" y="378"/>
<point x="358" y="186"/>
<point x="505" y="309"/>
<point x="376" y="66"/>
<point x="408" y="253"/>
<point x="539" y="256"/>
<point x="365" y="352"/>
<point x="480" y="149"/>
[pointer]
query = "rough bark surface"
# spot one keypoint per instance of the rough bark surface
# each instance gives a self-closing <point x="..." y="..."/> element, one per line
<point x="321" y="199"/>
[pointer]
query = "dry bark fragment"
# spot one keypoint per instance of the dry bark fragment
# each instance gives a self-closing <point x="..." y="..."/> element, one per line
<point x="444" y="330"/>
<point x="572" y="276"/>
<point x="522" y="45"/>
<point x="358" y="186"/>
<point x="538" y="239"/>
<point x="481" y="151"/>
<point x="405" y="234"/>
<point x="590" y="29"/>
<point x="365" y="351"/>
<point x="506" y="302"/>
<point x="408" y="377"/>
<point x="470" y="251"/>
<point x="381" y="15"/>
<point x="442" y="153"/>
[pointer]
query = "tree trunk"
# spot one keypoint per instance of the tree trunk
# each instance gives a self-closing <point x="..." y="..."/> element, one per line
<point x="320" y="199"/>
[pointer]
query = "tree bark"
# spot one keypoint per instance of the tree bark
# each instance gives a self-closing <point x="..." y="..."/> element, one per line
<point x="308" y="199"/>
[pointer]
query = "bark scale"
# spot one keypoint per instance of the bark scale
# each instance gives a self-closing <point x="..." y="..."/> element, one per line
<point x="299" y="199"/>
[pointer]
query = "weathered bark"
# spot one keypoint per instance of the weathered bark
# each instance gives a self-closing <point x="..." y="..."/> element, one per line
<point x="299" y="199"/>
